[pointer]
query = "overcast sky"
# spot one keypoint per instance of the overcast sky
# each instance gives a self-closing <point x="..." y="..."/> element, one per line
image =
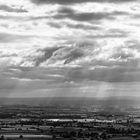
<point x="80" y="48"/>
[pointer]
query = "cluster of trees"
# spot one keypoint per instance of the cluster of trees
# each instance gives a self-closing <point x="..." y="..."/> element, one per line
<point x="3" y="138"/>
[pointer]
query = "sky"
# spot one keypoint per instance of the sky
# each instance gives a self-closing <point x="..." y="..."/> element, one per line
<point x="69" y="48"/>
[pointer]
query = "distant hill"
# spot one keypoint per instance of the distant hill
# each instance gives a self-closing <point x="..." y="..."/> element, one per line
<point x="112" y="101"/>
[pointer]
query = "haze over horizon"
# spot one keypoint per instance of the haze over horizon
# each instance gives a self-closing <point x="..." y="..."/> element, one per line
<point x="69" y="48"/>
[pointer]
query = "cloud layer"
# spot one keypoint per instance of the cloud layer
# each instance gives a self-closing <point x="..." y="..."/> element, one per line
<point x="69" y="44"/>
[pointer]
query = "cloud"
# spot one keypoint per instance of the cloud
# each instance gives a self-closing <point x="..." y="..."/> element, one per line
<point x="76" y="16"/>
<point x="52" y="78"/>
<point x="12" y="9"/>
<point x="83" y="53"/>
<point x="54" y="25"/>
<point x="66" y="10"/>
<point x="108" y="35"/>
<point x="42" y="78"/>
<point x="96" y="54"/>
<point x="82" y="26"/>
<point x="76" y="82"/>
<point x="10" y="37"/>
<point x="105" y="74"/>
<point x="69" y="35"/>
<point x="78" y="47"/>
<point x="69" y="2"/>
<point x="83" y="16"/>
<point x="65" y="55"/>
<point x="123" y="54"/>
<point x="69" y="13"/>
<point x="73" y="55"/>
<point x="47" y="54"/>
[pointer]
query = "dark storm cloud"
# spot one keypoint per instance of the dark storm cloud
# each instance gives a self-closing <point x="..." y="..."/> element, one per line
<point x="69" y="13"/>
<point x="65" y="12"/>
<point x="69" y="2"/>
<point x="76" y="16"/>
<point x="12" y="9"/>
<point x="73" y="55"/>
<point x="83" y="16"/>
<point x="47" y="54"/>
<point x="62" y="53"/>
<point x="67" y="55"/>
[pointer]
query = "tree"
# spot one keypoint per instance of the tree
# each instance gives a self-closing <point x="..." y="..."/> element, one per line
<point x="21" y="137"/>
<point x="2" y="137"/>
